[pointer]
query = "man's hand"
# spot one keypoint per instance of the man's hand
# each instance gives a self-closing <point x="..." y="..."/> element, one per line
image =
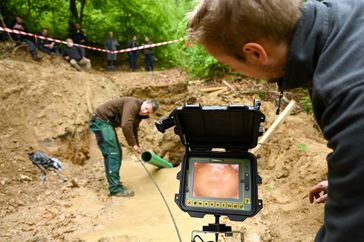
<point x="137" y="149"/>
<point x="315" y="191"/>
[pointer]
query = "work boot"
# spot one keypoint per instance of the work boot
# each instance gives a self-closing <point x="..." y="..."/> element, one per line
<point x="124" y="193"/>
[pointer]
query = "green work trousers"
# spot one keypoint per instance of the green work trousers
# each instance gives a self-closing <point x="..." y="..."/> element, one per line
<point x="108" y="142"/>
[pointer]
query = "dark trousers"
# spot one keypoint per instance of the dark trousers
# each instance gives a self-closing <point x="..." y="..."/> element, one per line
<point x="3" y="36"/>
<point x="149" y="62"/>
<point x="109" y="145"/>
<point x="111" y="65"/>
<point x="32" y="48"/>
<point x="133" y="60"/>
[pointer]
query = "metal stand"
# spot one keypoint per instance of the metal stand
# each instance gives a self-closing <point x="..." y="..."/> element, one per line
<point x="215" y="228"/>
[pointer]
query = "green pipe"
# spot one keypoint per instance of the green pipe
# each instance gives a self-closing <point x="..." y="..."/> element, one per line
<point x="152" y="158"/>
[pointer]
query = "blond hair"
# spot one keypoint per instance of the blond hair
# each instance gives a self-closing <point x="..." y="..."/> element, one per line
<point x="228" y="24"/>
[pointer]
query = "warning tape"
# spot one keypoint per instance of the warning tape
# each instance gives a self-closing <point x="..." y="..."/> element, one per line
<point x="90" y="47"/>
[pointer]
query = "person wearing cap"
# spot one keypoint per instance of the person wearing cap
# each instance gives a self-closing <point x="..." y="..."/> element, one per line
<point x="313" y="44"/>
<point x="127" y="113"/>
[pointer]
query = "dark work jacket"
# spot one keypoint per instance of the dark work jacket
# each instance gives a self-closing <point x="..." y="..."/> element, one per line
<point x="73" y="53"/>
<point x="19" y="37"/>
<point x="326" y="55"/>
<point x="124" y="113"/>
<point x="148" y="51"/>
<point x="133" y="44"/>
<point x="79" y="37"/>
<point x="42" y="42"/>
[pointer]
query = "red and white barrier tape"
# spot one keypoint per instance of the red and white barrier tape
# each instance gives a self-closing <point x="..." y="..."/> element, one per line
<point x="89" y="47"/>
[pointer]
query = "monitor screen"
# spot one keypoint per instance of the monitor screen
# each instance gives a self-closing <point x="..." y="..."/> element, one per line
<point x="221" y="183"/>
<point x="215" y="180"/>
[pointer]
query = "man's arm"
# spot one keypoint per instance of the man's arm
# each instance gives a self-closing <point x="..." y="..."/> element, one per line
<point x="130" y="111"/>
<point x="82" y="53"/>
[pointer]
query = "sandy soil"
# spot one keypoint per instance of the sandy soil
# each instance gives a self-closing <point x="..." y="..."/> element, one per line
<point x="46" y="106"/>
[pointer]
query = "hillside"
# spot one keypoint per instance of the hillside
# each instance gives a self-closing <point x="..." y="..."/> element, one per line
<point x="46" y="106"/>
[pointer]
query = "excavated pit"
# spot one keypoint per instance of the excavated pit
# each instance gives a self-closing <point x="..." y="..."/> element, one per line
<point x="46" y="106"/>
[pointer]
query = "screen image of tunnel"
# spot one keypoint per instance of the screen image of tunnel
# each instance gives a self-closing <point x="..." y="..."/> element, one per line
<point x="216" y="180"/>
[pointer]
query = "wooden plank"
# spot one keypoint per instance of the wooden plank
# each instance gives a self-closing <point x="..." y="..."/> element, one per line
<point x="231" y="87"/>
<point x="275" y="124"/>
<point x="212" y="89"/>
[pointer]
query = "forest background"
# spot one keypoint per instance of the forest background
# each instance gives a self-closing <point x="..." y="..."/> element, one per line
<point x="161" y="20"/>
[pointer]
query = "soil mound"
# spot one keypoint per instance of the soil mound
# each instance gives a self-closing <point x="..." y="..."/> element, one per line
<point x="46" y="106"/>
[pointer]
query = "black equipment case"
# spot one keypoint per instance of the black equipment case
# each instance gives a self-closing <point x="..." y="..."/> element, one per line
<point x="217" y="140"/>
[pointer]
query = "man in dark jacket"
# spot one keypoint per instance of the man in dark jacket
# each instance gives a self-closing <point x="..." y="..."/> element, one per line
<point x="75" y="56"/>
<point x="315" y="44"/>
<point x="127" y="113"/>
<point x="79" y="37"/>
<point x="133" y="55"/>
<point x="148" y="55"/>
<point x="47" y="46"/>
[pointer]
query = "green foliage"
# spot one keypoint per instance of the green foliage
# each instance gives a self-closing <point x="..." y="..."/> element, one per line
<point x="307" y="105"/>
<point x="302" y="147"/>
<point x="269" y="188"/>
<point x="201" y="64"/>
<point x="195" y="59"/>
<point x="160" y="20"/>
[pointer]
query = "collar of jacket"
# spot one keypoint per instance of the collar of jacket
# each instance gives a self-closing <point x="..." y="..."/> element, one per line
<point x="305" y="47"/>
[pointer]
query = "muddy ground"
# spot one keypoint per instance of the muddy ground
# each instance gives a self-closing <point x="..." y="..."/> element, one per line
<point x="46" y="106"/>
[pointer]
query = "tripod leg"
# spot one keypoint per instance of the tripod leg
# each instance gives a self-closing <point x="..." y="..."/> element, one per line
<point x="43" y="177"/>
<point x="43" y="174"/>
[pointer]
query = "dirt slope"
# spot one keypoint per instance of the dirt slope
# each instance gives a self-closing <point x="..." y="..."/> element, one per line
<point x="46" y="106"/>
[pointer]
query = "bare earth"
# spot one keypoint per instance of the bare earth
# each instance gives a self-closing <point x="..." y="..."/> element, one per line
<point x="46" y="106"/>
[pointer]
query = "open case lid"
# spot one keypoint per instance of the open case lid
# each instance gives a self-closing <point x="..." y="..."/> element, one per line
<point x="230" y="127"/>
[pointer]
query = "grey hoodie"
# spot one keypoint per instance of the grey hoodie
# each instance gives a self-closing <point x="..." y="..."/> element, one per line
<point x="326" y="55"/>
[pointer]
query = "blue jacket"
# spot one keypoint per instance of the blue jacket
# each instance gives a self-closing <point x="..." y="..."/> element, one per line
<point x="326" y="55"/>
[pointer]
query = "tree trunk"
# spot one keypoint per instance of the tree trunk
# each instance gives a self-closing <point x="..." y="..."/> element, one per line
<point x="74" y="13"/>
<point x="2" y="7"/>
<point x="75" y="17"/>
<point x="83" y="3"/>
<point x="29" y="7"/>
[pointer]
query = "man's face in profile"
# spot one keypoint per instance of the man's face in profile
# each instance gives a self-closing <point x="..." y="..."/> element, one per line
<point x="146" y="109"/>
<point x="272" y="71"/>
<point x="262" y="72"/>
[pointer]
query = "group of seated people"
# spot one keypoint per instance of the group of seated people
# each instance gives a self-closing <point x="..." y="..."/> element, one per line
<point x="73" y="54"/>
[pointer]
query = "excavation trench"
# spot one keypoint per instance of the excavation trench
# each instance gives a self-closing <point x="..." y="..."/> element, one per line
<point x="47" y="107"/>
